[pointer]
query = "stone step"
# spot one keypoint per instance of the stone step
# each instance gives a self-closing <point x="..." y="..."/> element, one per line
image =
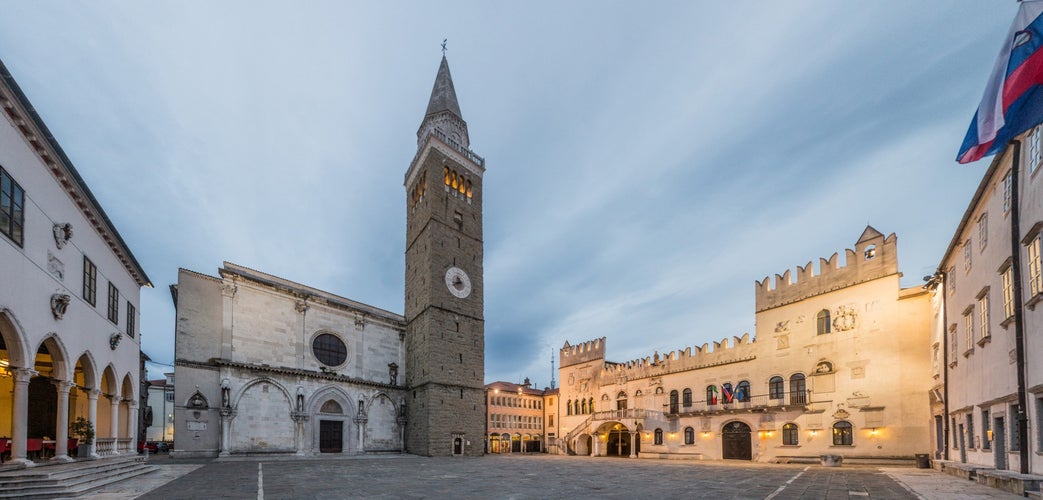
<point x="53" y="474"/>
<point x="71" y="483"/>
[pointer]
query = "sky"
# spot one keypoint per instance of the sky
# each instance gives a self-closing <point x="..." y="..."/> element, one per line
<point x="646" y="161"/>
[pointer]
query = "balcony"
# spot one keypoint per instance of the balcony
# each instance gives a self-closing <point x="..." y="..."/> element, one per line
<point x="630" y="414"/>
<point x="796" y="400"/>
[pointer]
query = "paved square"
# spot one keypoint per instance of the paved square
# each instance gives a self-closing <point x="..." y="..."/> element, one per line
<point x="539" y="476"/>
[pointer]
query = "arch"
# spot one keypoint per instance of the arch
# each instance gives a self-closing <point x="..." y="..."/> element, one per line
<point x="824" y="366"/>
<point x="583" y="406"/>
<point x="686" y="397"/>
<point x="736" y="443"/>
<point x="382" y="430"/>
<point x="239" y="395"/>
<point x="797" y="389"/>
<point x="673" y="402"/>
<point x="790" y="435"/>
<point x="14" y="339"/>
<point x="128" y="391"/>
<point x="591" y="405"/>
<point x="742" y="391"/>
<point x="262" y="421"/>
<point x="689" y="435"/>
<point x="568" y="408"/>
<point x="776" y="388"/>
<point x="59" y="358"/>
<point x="331" y="406"/>
<point x="658" y="436"/>
<point x="85" y="363"/>
<point x="108" y="381"/>
<point x="843" y="433"/>
<point x="328" y="393"/>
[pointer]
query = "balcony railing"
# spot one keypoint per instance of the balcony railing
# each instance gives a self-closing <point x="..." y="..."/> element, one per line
<point x="759" y="402"/>
<point x="632" y="413"/>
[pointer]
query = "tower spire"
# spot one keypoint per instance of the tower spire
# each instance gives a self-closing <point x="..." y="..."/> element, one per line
<point x="443" y="111"/>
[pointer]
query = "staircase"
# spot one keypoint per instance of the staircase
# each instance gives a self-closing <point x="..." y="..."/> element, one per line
<point x="71" y="479"/>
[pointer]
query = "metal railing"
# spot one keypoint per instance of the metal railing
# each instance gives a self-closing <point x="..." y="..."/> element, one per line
<point x="757" y="401"/>
<point x="470" y="155"/>
<point x="631" y="413"/>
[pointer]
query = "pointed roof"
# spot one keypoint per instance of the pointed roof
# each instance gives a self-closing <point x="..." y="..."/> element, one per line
<point x="443" y="95"/>
<point x="869" y="234"/>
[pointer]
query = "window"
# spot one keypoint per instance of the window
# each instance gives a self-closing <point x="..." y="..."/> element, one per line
<point x="870" y="252"/>
<point x="329" y="350"/>
<point x="711" y="395"/>
<point x="584" y="407"/>
<point x="1035" y="154"/>
<point x="1039" y="422"/>
<point x="568" y="407"/>
<point x="686" y="398"/>
<point x="727" y="394"/>
<point x="575" y="408"/>
<point x="90" y="282"/>
<point x="842" y="434"/>
<point x="742" y="392"/>
<point x="823" y="321"/>
<point x="797" y="389"/>
<point x="1008" y="293"/>
<point x="114" y="304"/>
<point x="983" y="230"/>
<point x="790" y="436"/>
<point x="592" y="405"/>
<point x="967" y="256"/>
<point x="986" y="443"/>
<point x="131" y="319"/>
<point x="1035" y="277"/>
<point x="950" y="279"/>
<point x="673" y="401"/>
<point x="970" y="429"/>
<point x="1015" y="428"/>
<point x="983" y="314"/>
<point x="689" y="435"/>
<point x="775" y="388"/>
<point x="12" y="208"/>
<point x="658" y="436"/>
<point x="169" y="396"/>
<point x="968" y="329"/>
<point x="952" y="344"/>
<point x="1007" y="185"/>
<point x="550" y="420"/>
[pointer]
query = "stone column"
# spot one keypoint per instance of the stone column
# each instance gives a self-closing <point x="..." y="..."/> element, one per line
<point x="595" y="441"/>
<point x="227" y="414"/>
<point x="20" y="414"/>
<point x="299" y="438"/>
<point x="132" y="424"/>
<point x="360" y="429"/>
<point x="61" y="434"/>
<point x="633" y="445"/>
<point x="92" y="416"/>
<point x="115" y="429"/>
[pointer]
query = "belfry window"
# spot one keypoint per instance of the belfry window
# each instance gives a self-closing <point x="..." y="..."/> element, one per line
<point x="823" y="321"/>
<point x="457" y="182"/>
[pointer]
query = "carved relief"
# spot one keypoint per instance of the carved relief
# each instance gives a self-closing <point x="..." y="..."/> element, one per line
<point x="59" y="303"/>
<point x="782" y="326"/>
<point x="824" y="367"/>
<point x="62" y="234"/>
<point x="841" y="414"/>
<point x="393" y="373"/>
<point x="114" y="340"/>
<point x="300" y="306"/>
<point x="572" y="379"/>
<point x="782" y="342"/>
<point x="845" y="319"/>
<point x="197" y="402"/>
<point x="360" y="322"/>
<point x="55" y="266"/>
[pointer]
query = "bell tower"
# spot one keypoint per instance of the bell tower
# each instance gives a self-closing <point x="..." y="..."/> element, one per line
<point x="444" y="310"/>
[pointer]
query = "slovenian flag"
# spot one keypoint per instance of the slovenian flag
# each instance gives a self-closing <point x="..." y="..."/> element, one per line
<point x="1013" y="100"/>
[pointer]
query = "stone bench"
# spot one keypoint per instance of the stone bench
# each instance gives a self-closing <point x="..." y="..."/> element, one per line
<point x="1013" y="482"/>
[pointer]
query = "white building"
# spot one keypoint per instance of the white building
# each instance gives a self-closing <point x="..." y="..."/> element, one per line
<point x="161" y="405"/>
<point x="68" y="297"/>
<point x="988" y="324"/>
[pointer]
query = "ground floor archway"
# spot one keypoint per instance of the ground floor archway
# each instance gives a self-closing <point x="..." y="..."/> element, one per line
<point x="736" y="442"/>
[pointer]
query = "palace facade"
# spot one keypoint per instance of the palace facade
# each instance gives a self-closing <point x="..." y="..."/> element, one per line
<point x="837" y="367"/>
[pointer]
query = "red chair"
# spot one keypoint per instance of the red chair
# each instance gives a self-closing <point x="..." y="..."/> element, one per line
<point x="33" y="445"/>
<point x="71" y="447"/>
<point x="5" y="448"/>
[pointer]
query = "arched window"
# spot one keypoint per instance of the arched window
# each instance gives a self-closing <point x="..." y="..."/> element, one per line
<point x="711" y="395"/>
<point x="870" y="252"/>
<point x="331" y="406"/>
<point x="842" y="433"/>
<point x="689" y="435"/>
<point x="798" y="394"/>
<point x="445" y="171"/>
<point x="568" y="408"/>
<point x="775" y="388"/>
<point x="658" y="436"/>
<point x="584" y="406"/>
<point x="470" y="192"/>
<point x="823" y="321"/>
<point x="658" y="390"/>
<point x="727" y="394"/>
<point x="575" y="408"/>
<point x="592" y="405"/>
<point x="686" y="398"/>
<point x="790" y="436"/>
<point x="673" y="402"/>
<point x="742" y="392"/>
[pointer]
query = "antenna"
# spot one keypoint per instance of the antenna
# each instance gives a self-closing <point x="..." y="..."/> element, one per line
<point x="552" y="368"/>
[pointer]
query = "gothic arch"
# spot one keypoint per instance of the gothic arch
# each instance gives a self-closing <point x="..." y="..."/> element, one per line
<point x="14" y="338"/>
<point x="381" y="394"/>
<point x="107" y="383"/>
<point x="382" y="429"/>
<point x="319" y="397"/>
<point x="128" y="386"/>
<point x="262" y="422"/>
<point x="248" y="385"/>
<point x="90" y="372"/>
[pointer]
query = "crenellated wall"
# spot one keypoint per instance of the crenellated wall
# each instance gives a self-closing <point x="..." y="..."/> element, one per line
<point x="691" y="358"/>
<point x="873" y="257"/>
<point x="581" y="353"/>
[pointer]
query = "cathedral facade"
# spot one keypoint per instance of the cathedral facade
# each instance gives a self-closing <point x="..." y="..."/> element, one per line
<point x="837" y="368"/>
<point x="268" y="366"/>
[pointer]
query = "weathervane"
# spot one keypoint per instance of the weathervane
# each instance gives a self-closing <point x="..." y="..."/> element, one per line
<point x="444" y="40"/>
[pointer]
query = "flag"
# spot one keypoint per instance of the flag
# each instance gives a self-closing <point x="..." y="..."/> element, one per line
<point x="713" y="394"/>
<point x="1013" y="99"/>
<point x="726" y="391"/>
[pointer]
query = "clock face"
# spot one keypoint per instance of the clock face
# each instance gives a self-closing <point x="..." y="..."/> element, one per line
<point x="457" y="282"/>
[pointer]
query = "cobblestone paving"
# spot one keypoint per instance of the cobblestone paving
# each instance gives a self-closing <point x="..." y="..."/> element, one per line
<point x="526" y="477"/>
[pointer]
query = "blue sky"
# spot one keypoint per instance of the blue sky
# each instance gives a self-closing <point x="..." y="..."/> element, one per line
<point x="646" y="161"/>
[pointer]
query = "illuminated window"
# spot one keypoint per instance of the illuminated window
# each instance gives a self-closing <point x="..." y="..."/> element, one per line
<point x="1035" y="275"/>
<point x="445" y="172"/>
<point x="689" y="435"/>
<point x="470" y="192"/>
<point x="1008" y="293"/>
<point x="790" y="435"/>
<point x="983" y="313"/>
<point x="842" y="434"/>
<point x="658" y="436"/>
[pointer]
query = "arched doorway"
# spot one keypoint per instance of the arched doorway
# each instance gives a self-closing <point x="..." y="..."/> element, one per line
<point x="617" y="439"/>
<point x="505" y="443"/>
<point x="736" y="442"/>
<point x="583" y="445"/>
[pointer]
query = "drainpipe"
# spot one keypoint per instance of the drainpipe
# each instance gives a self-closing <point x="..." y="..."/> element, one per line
<point x="1019" y="329"/>
<point x="945" y="363"/>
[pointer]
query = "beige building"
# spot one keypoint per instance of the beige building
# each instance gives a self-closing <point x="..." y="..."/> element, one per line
<point x="517" y="418"/>
<point x="838" y="366"/>
<point x="987" y="325"/>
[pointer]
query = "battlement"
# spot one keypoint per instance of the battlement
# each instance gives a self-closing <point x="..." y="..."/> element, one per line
<point x="874" y="256"/>
<point x="724" y="352"/>
<point x="581" y="353"/>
